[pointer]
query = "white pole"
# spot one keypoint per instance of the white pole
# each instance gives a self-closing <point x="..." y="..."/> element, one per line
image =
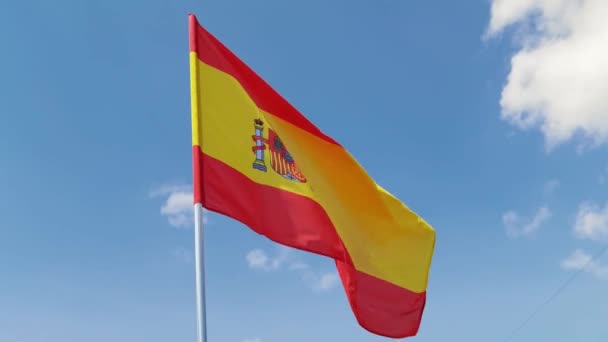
<point x="199" y="251"/>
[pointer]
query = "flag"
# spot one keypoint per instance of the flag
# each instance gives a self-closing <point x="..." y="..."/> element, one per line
<point x="258" y="160"/>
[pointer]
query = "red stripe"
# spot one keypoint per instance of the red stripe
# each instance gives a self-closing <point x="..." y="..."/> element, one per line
<point x="381" y="307"/>
<point x="197" y="174"/>
<point x="213" y="52"/>
<point x="300" y="222"/>
<point x="282" y="216"/>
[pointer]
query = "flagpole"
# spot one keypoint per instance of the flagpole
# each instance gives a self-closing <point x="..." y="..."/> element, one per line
<point x="199" y="251"/>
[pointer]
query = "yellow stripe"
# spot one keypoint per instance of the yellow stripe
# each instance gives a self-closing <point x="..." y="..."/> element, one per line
<point x="194" y="98"/>
<point x="383" y="237"/>
<point x="227" y="127"/>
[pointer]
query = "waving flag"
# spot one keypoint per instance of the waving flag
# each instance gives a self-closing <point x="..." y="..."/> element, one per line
<point x="261" y="162"/>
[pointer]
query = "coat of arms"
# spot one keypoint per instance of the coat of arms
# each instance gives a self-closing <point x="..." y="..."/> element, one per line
<point x="281" y="160"/>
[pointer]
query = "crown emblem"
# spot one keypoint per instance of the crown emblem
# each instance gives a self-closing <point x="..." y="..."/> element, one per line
<point x="281" y="160"/>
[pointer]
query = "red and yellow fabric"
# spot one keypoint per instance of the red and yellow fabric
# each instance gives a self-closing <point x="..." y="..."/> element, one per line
<point x="261" y="162"/>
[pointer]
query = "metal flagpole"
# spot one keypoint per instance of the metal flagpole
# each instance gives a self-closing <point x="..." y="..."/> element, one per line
<point x="199" y="255"/>
<point x="199" y="240"/>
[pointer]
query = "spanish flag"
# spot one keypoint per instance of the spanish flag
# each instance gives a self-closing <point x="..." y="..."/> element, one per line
<point x="259" y="161"/>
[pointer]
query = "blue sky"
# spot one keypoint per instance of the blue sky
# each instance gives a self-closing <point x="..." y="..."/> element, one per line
<point x="485" y="117"/>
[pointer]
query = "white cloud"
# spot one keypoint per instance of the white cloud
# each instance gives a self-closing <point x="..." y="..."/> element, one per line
<point x="550" y="187"/>
<point x="517" y="226"/>
<point x="579" y="260"/>
<point x="559" y="76"/>
<point x="592" y="222"/>
<point x="322" y="282"/>
<point x="317" y="281"/>
<point x="258" y="259"/>
<point x="178" y="207"/>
